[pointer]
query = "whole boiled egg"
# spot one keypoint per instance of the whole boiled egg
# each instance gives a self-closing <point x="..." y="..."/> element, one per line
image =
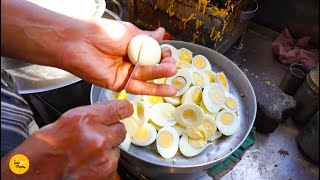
<point x="188" y="115"/>
<point x="145" y="135"/>
<point x="181" y="81"/>
<point x="227" y="122"/>
<point x="174" y="51"/>
<point x="112" y="95"/>
<point x="146" y="49"/>
<point x="162" y="114"/>
<point x="152" y="100"/>
<point x="231" y="103"/>
<point x="167" y="142"/>
<point x="221" y="78"/>
<point x="186" y="148"/>
<point x="199" y="78"/>
<point x="185" y="55"/>
<point x="192" y="96"/>
<point x="201" y="62"/>
<point x="213" y="97"/>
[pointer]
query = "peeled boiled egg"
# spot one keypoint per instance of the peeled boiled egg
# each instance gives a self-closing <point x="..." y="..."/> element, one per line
<point x="199" y="78"/>
<point x="215" y="136"/>
<point x="146" y="48"/>
<point x="174" y="51"/>
<point x="152" y="100"/>
<point x="112" y="95"/>
<point x="181" y="81"/>
<point x="222" y="79"/>
<point x="130" y="125"/>
<point x="188" y="150"/>
<point x="192" y="96"/>
<point x="162" y="114"/>
<point x="180" y="129"/>
<point x="209" y="125"/>
<point x="160" y="81"/>
<point x="140" y="113"/>
<point x="173" y="100"/>
<point x="167" y="142"/>
<point x="227" y="122"/>
<point x="201" y="62"/>
<point x="126" y="143"/>
<point x="205" y="110"/>
<point x="182" y="64"/>
<point x="154" y="125"/>
<point x="188" y="115"/>
<point x="231" y="103"/>
<point x="145" y="135"/>
<point x="185" y="55"/>
<point x="213" y="97"/>
<point x="211" y="75"/>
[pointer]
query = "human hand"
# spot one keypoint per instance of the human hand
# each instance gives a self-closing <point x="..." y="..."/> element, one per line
<point x="82" y="144"/>
<point x="100" y="57"/>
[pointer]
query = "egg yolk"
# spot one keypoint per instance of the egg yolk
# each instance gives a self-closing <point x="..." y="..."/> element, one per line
<point x="154" y="125"/>
<point x="222" y="79"/>
<point x="139" y="110"/>
<point x="194" y="133"/>
<point x="179" y="82"/>
<point x="114" y="95"/>
<point x="197" y="143"/>
<point x="182" y="64"/>
<point x="185" y="55"/>
<point x="189" y="115"/>
<point x="155" y="100"/>
<point x="198" y="79"/>
<point x="209" y="126"/>
<point x="197" y="95"/>
<point x="230" y="103"/>
<point x="216" y="95"/>
<point x="227" y="118"/>
<point x="142" y="135"/>
<point x="200" y="62"/>
<point x="211" y="76"/>
<point x="165" y="139"/>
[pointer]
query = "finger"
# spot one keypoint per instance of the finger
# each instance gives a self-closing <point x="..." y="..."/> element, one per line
<point x="145" y="73"/>
<point x="147" y="88"/>
<point x="168" y="60"/>
<point x="165" y="52"/>
<point x="115" y="133"/>
<point x="158" y="34"/>
<point x="109" y="167"/>
<point x="107" y="113"/>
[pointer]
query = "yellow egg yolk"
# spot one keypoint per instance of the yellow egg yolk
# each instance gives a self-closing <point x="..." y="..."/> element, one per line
<point x="142" y="135"/>
<point x="189" y="115"/>
<point x="155" y="125"/>
<point x="185" y="55"/>
<point x="216" y="95"/>
<point x="222" y="79"/>
<point x="165" y="139"/>
<point x="197" y="143"/>
<point x="200" y="62"/>
<point x="179" y="82"/>
<point x="197" y="95"/>
<point x="227" y="118"/>
<point x="211" y="76"/>
<point x="198" y="79"/>
<point x="194" y="133"/>
<point x="209" y="126"/>
<point x="231" y="103"/>
<point x="155" y="100"/>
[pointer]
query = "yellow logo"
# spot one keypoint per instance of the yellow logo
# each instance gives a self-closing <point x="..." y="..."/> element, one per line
<point x="19" y="164"/>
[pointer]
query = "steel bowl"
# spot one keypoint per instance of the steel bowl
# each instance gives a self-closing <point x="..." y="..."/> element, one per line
<point x="147" y="161"/>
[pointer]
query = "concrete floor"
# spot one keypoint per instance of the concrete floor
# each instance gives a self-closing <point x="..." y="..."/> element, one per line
<point x="262" y="160"/>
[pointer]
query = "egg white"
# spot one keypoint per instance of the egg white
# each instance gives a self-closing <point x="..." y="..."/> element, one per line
<point x="180" y="129"/>
<point x="153" y="135"/>
<point x="186" y="149"/>
<point x="207" y="63"/>
<point x="178" y="115"/>
<point x="186" y="74"/>
<point x="226" y="87"/>
<point x="173" y="100"/>
<point x="211" y="73"/>
<point x="184" y="49"/>
<point x="157" y="116"/>
<point x="112" y="95"/>
<point x="174" y="51"/>
<point x="126" y="143"/>
<point x="227" y="129"/>
<point x="201" y="74"/>
<point x="168" y="152"/>
<point x="213" y="104"/>
<point x="187" y="97"/>
<point x="215" y="136"/>
<point x="229" y="95"/>
<point x="149" y="100"/>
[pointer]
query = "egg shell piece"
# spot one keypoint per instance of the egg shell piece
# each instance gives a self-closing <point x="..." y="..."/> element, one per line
<point x="231" y="103"/>
<point x="213" y="97"/>
<point x="215" y="136"/>
<point x="150" y="51"/>
<point x="201" y="62"/>
<point x="167" y="136"/>
<point x="192" y="96"/>
<point x="151" y="138"/>
<point x="161" y="114"/>
<point x="189" y="115"/>
<point x="126" y="143"/>
<point x="225" y="129"/>
<point x="186" y="149"/>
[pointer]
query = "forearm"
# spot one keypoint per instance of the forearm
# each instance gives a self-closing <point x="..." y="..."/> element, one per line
<point x="34" y="34"/>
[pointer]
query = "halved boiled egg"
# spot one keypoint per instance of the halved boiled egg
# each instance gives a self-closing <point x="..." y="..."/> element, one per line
<point x="185" y="55"/>
<point x="215" y="136"/>
<point x="213" y="97"/>
<point x="126" y="143"/>
<point x="187" y="149"/>
<point x="145" y="135"/>
<point x="181" y="81"/>
<point x="231" y="103"/>
<point x="154" y="124"/>
<point x="162" y="114"/>
<point x="211" y="75"/>
<point x="205" y="110"/>
<point x="174" y="51"/>
<point x="188" y="115"/>
<point x="209" y="125"/>
<point x="192" y="96"/>
<point x="199" y="78"/>
<point x="140" y="113"/>
<point x="227" y="122"/>
<point x="112" y="95"/>
<point x="182" y="64"/>
<point x="167" y="142"/>
<point x="201" y="62"/>
<point x="222" y="79"/>
<point x="173" y="100"/>
<point x="160" y="81"/>
<point x="131" y="125"/>
<point x="152" y="100"/>
<point x="180" y="129"/>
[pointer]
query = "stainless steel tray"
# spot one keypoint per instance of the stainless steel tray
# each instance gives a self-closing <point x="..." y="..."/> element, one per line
<point x="149" y="163"/>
